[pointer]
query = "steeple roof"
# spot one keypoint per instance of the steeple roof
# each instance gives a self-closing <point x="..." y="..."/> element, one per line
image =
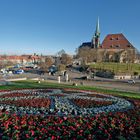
<point x="97" y="31"/>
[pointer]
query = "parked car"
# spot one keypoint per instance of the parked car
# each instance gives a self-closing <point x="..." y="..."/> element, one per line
<point x="131" y="81"/>
<point x="84" y="78"/>
<point x="52" y="69"/>
<point x="19" y="71"/>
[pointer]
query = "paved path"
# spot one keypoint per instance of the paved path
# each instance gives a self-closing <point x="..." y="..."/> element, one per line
<point x="119" y="85"/>
<point x="109" y="84"/>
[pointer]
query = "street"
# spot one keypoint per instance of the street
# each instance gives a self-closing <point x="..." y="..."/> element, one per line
<point x="75" y="77"/>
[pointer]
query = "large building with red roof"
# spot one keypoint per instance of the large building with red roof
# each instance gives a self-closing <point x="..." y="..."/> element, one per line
<point x="114" y="48"/>
<point x="116" y="41"/>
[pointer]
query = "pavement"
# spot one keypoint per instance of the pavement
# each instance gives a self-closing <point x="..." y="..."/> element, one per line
<point x="74" y="77"/>
<point x="97" y="82"/>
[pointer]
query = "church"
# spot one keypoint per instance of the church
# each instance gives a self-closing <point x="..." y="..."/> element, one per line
<point x="114" y="48"/>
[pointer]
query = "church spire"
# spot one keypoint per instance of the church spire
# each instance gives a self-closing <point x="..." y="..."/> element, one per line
<point x="97" y="32"/>
<point x="96" y="38"/>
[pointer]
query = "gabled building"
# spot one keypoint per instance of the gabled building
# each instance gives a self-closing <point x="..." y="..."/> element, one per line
<point x="116" y="41"/>
<point x="114" y="48"/>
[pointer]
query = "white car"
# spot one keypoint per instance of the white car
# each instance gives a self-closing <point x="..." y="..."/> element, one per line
<point x="131" y="81"/>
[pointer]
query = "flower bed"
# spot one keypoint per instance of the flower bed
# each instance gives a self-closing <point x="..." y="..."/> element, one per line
<point x="53" y="116"/>
<point x="84" y="103"/>
<point x="59" y="102"/>
<point x="97" y="95"/>
<point x="102" y="126"/>
<point x="58" y="95"/>
<point x="35" y="102"/>
<point x="14" y="95"/>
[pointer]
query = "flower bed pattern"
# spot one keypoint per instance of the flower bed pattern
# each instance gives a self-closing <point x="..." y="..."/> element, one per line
<point x="59" y="102"/>
<point x="84" y="103"/>
<point x="97" y="95"/>
<point x="35" y="102"/>
<point x="105" y="122"/>
<point x="15" y="95"/>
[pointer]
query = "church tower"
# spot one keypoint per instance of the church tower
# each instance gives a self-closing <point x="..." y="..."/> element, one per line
<point x="96" y="38"/>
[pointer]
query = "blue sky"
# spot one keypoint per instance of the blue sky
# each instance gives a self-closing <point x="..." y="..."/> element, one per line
<point x="47" y="26"/>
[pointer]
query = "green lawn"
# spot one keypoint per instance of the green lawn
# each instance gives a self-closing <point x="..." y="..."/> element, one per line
<point x="34" y="84"/>
<point x="118" y="67"/>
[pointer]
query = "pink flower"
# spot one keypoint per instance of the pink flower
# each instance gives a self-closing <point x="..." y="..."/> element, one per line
<point x="53" y="138"/>
<point x="65" y="118"/>
<point x="27" y="136"/>
<point x="32" y="132"/>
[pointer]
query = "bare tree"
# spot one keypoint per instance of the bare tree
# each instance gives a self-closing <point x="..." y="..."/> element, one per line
<point x="49" y="61"/>
<point x="1" y="65"/>
<point x="5" y="64"/>
<point x="60" y="53"/>
<point x="66" y="59"/>
<point x="87" y="54"/>
<point x="45" y="65"/>
<point x="61" y="67"/>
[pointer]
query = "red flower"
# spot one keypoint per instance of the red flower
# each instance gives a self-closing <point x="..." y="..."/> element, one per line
<point x="16" y="127"/>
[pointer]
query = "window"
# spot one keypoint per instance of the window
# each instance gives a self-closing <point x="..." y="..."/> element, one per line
<point x="111" y="38"/>
<point x="111" y="46"/>
<point x="117" y="38"/>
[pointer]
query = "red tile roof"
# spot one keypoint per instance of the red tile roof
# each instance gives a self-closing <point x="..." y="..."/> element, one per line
<point x="116" y="41"/>
<point x="15" y="58"/>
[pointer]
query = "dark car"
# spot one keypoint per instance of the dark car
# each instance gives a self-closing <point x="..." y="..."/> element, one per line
<point x="83" y="78"/>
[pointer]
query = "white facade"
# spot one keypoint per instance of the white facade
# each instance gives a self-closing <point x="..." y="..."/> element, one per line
<point x="122" y="77"/>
